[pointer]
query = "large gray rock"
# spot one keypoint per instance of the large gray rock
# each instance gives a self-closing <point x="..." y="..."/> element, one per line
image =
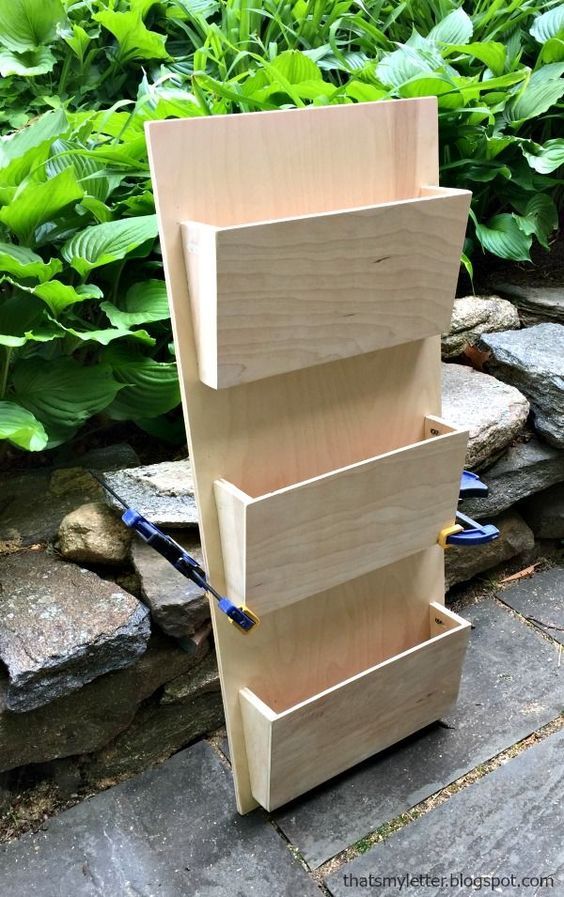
<point x="533" y="361"/>
<point x="461" y="564"/>
<point x="87" y="720"/>
<point x="61" y="627"/>
<point x="94" y="534"/>
<point x="493" y="412"/>
<point x="32" y="504"/>
<point x="544" y="513"/>
<point x="188" y="710"/>
<point x="474" y="315"/>
<point x="177" y="604"/>
<point x="536" y="303"/>
<point x="164" y="493"/>
<point x="526" y="468"/>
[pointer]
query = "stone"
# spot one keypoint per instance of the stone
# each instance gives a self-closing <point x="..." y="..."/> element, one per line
<point x="493" y="412"/>
<point x="191" y="708"/>
<point x="177" y="604"/>
<point x="526" y="468"/>
<point x="533" y="361"/>
<point x="541" y="600"/>
<point x="511" y="686"/>
<point x="94" y="534"/>
<point x="171" y="832"/>
<point x="515" y="538"/>
<point x="32" y="504"/>
<point x="61" y="627"/>
<point x="544" y="513"/>
<point x="536" y="303"/>
<point x="86" y="720"/>
<point x="164" y="493"/>
<point x="508" y="823"/>
<point x="474" y="315"/>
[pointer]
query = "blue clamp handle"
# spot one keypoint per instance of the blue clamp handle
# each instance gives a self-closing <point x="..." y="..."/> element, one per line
<point x="473" y="533"/>
<point x="471" y="486"/>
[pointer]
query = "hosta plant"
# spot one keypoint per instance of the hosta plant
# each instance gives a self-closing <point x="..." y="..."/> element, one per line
<point x="84" y="328"/>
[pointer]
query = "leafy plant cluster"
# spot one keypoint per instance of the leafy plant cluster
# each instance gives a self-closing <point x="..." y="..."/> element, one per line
<point x="84" y="327"/>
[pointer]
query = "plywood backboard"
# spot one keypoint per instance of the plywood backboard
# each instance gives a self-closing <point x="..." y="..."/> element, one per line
<point x="271" y="433"/>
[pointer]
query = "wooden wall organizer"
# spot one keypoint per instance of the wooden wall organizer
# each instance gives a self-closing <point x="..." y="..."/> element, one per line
<point x="311" y="263"/>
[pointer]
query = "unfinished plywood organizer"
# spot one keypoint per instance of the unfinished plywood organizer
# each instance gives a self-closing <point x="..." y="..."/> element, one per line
<point x="311" y="262"/>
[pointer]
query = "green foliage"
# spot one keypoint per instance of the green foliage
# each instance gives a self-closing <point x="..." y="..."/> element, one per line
<point x="84" y="326"/>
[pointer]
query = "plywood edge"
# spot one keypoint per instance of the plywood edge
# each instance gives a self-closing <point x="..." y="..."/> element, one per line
<point x="426" y="194"/>
<point x="199" y="242"/>
<point x="258" y="721"/>
<point x="232" y="513"/>
<point x="443" y="620"/>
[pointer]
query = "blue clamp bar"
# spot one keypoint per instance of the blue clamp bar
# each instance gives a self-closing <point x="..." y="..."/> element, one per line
<point x="472" y="533"/>
<point x="471" y="486"/>
<point x="241" y="617"/>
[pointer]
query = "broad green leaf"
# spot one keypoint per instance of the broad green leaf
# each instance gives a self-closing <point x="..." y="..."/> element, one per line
<point x="540" y="218"/>
<point x="27" y="24"/>
<point x="23" y="319"/>
<point x="503" y="237"/>
<point x="433" y="86"/>
<point x="549" y="24"/>
<point x="58" y="296"/>
<point x="107" y="335"/>
<point x="90" y="171"/>
<point x="20" y="427"/>
<point x="544" y="88"/>
<point x="490" y="53"/>
<point x="144" y="303"/>
<point x="76" y="37"/>
<point x="134" y="38"/>
<point x="296" y="67"/>
<point x="21" y="262"/>
<point x="105" y="243"/>
<point x="35" y="203"/>
<point x="552" y="51"/>
<point x="404" y="64"/>
<point x="544" y="159"/>
<point x="364" y="93"/>
<point x="29" y="147"/>
<point x="28" y="64"/>
<point x="62" y="393"/>
<point x="151" y="388"/>
<point x="456" y="28"/>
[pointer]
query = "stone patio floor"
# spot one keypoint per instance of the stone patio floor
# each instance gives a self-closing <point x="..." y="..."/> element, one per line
<point x="473" y="803"/>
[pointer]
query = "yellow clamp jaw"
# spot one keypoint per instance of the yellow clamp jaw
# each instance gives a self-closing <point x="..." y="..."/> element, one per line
<point x="446" y="532"/>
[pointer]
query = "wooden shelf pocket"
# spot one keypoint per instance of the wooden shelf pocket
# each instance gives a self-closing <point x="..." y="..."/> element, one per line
<point x="269" y="297"/>
<point x="293" y="749"/>
<point x="295" y="542"/>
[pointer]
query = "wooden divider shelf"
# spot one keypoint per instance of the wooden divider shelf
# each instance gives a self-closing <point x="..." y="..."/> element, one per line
<point x="294" y="749"/>
<point x="341" y="524"/>
<point x="270" y="297"/>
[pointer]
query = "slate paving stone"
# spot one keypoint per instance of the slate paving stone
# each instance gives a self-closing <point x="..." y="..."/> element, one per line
<point x="172" y="832"/>
<point x="508" y="823"/>
<point x="542" y="600"/>
<point x="511" y="686"/>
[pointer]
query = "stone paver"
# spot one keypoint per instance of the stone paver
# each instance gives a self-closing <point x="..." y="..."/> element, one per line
<point x="508" y="823"/>
<point x="542" y="600"/>
<point x="511" y="686"/>
<point x="172" y="832"/>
